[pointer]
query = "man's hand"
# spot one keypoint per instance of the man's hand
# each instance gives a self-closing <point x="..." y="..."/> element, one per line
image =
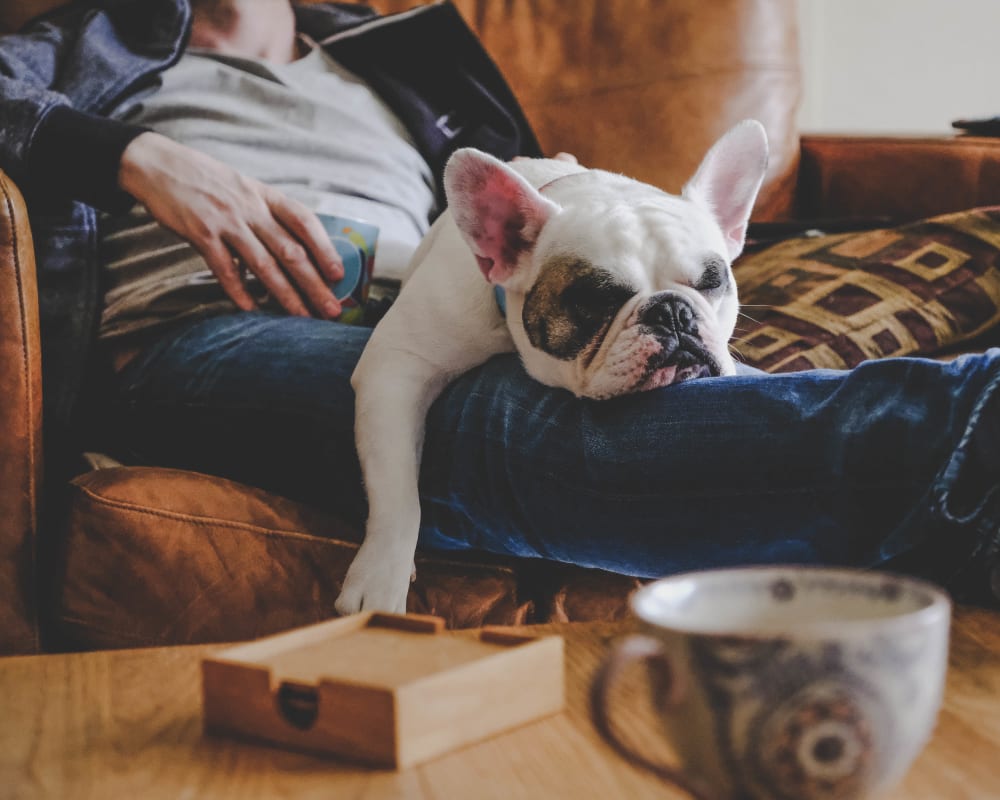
<point x="235" y="223"/>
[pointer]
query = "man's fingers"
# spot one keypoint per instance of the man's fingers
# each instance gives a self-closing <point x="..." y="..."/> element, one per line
<point x="220" y="261"/>
<point x="293" y="259"/>
<point x="222" y="214"/>
<point x="306" y="227"/>
<point x="259" y="261"/>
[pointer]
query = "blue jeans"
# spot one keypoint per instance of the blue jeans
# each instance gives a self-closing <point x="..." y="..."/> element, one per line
<point x="893" y="464"/>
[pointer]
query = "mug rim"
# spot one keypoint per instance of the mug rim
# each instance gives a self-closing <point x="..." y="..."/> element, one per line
<point x="929" y="614"/>
<point x="353" y="220"/>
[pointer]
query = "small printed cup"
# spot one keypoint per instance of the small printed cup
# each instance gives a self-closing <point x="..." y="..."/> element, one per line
<point x="785" y="682"/>
<point x="356" y="242"/>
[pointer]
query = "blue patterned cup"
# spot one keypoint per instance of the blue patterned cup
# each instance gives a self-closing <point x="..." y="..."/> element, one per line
<point x="796" y="683"/>
<point x="356" y="242"/>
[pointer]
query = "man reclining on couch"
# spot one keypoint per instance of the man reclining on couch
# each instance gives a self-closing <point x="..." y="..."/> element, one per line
<point x="210" y="137"/>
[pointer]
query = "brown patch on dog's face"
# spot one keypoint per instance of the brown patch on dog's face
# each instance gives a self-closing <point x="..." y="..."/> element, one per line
<point x="571" y="303"/>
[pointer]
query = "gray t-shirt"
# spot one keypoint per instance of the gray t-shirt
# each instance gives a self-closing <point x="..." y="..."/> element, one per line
<point x="309" y="128"/>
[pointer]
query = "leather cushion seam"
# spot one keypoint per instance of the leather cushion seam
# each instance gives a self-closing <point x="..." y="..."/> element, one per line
<point x="205" y="520"/>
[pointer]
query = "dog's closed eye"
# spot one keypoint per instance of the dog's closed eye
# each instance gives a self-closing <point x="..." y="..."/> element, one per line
<point x="714" y="277"/>
<point x="585" y="300"/>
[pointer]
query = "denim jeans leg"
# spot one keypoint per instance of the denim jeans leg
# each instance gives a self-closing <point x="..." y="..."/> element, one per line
<point x="824" y="467"/>
<point x="263" y="399"/>
<point x="859" y="468"/>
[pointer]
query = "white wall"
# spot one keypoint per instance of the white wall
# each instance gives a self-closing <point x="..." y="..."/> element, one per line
<point x="898" y="66"/>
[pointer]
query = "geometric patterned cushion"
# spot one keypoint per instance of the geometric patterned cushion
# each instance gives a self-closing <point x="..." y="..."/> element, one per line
<point x="836" y="300"/>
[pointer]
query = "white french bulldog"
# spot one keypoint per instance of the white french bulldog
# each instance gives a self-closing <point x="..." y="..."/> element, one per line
<point x="612" y="286"/>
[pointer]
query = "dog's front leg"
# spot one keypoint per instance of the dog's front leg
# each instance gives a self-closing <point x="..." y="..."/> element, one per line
<point x="394" y="390"/>
<point x="419" y="346"/>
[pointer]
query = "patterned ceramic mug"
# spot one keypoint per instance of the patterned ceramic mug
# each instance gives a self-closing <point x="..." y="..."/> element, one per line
<point x="796" y="683"/>
<point x="356" y="242"/>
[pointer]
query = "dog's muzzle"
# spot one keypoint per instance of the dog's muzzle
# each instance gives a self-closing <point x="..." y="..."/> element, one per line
<point x="674" y="322"/>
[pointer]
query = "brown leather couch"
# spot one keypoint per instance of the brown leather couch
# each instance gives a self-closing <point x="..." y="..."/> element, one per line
<point x="152" y="556"/>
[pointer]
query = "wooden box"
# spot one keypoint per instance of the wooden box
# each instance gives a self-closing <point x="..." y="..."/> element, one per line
<point x="383" y="689"/>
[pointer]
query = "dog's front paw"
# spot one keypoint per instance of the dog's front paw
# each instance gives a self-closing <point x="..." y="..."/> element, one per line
<point x="377" y="580"/>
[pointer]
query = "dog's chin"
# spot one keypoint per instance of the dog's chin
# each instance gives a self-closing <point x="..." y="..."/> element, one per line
<point x="645" y="377"/>
<point x="640" y="363"/>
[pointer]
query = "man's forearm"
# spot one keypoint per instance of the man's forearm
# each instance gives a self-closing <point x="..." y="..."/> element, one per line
<point x="54" y="150"/>
<point x="77" y="155"/>
<point x="50" y="148"/>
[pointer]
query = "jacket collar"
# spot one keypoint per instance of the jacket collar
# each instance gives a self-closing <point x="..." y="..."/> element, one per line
<point x="322" y="22"/>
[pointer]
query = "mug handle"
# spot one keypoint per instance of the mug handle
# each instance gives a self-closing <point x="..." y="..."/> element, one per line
<point x="632" y="649"/>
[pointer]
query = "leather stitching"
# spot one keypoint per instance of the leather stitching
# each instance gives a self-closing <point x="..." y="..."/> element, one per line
<point x="195" y="519"/>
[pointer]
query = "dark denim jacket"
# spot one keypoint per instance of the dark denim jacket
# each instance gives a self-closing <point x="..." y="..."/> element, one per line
<point x="63" y="73"/>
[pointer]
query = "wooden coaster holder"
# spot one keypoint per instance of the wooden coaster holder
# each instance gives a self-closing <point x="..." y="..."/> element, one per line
<point x="383" y="689"/>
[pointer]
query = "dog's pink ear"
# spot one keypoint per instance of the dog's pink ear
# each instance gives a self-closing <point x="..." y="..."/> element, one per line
<point x="498" y="213"/>
<point x="729" y="178"/>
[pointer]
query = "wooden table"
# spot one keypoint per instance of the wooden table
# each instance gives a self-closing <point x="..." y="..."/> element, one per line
<point x="126" y="724"/>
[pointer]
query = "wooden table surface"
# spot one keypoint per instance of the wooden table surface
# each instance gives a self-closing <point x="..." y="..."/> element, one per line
<point x="126" y="724"/>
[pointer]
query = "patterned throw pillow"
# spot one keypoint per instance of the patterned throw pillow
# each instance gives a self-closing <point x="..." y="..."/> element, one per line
<point x="837" y="300"/>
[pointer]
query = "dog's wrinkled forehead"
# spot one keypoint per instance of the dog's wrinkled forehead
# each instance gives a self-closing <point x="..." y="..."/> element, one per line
<point x="648" y="238"/>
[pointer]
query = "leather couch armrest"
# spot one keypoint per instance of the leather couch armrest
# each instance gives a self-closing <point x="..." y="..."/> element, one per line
<point x="902" y="178"/>
<point x="20" y="427"/>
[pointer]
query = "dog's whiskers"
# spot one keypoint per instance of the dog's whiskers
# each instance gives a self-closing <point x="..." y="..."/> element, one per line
<point x="757" y="321"/>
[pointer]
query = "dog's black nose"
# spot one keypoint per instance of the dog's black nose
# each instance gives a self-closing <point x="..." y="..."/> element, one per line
<point x="673" y="321"/>
<point x="669" y="313"/>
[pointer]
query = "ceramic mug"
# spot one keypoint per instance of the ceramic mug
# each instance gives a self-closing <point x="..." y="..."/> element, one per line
<point x="797" y="683"/>
<point x="356" y="241"/>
